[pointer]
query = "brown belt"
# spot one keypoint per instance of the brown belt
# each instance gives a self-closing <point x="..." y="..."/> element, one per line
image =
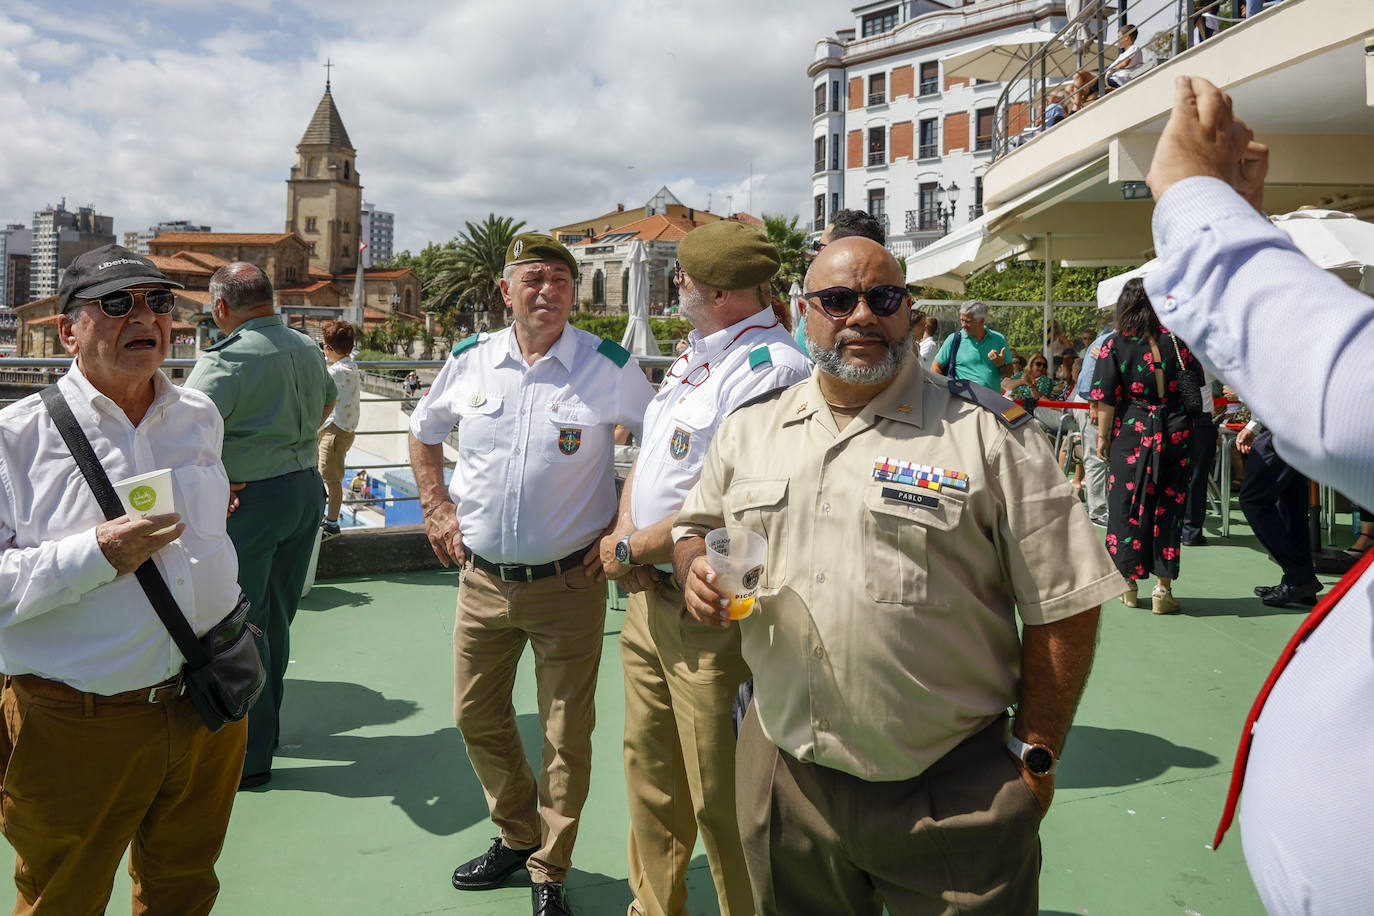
<point x="36" y="686"/>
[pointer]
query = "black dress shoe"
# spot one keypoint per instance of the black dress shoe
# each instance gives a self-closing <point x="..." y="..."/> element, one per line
<point x="490" y="868"/>
<point x="1263" y="590"/>
<point x="1198" y="541"/>
<point x="1284" y="594"/>
<point x="550" y="900"/>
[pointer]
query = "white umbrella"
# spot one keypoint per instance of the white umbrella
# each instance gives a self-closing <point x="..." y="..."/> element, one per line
<point x="1331" y="239"/>
<point x="639" y="337"/>
<point x="999" y="59"/>
<point x="794" y="300"/>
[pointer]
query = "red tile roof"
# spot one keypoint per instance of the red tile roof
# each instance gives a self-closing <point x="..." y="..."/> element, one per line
<point x="204" y="258"/>
<point x="657" y="228"/>
<point x="304" y="287"/>
<point x="386" y="274"/>
<point x="178" y="264"/>
<point x="222" y="238"/>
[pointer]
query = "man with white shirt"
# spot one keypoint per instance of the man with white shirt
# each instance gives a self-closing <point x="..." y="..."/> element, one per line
<point x="531" y="495"/>
<point x="1227" y="284"/>
<point x="681" y="676"/>
<point x="99" y="745"/>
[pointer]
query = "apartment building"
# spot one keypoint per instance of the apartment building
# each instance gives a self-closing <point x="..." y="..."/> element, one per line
<point x="16" y="242"/>
<point x="138" y="241"/>
<point x="58" y="237"/>
<point x="379" y="227"/>
<point x="893" y="133"/>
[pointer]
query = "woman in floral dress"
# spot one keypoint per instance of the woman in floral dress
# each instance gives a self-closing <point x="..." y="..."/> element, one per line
<point x="1148" y="447"/>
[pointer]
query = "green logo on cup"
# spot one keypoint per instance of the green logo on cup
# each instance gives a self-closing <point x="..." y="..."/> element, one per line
<point x="142" y="498"/>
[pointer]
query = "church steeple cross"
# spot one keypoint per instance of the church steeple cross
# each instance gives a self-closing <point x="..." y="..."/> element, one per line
<point x="327" y="66"/>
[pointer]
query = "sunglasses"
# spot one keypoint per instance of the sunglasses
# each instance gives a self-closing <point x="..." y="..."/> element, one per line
<point x="839" y="301"/>
<point x="121" y="303"/>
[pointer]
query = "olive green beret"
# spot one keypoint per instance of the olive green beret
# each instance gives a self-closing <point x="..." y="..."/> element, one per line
<point x="535" y="246"/>
<point x="728" y="255"/>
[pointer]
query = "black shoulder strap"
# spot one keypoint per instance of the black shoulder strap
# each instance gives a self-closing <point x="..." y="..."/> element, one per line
<point x="953" y="353"/>
<point x="153" y="585"/>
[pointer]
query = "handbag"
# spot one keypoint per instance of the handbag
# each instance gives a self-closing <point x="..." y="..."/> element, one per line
<point x="1189" y="385"/>
<point x="223" y="673"/>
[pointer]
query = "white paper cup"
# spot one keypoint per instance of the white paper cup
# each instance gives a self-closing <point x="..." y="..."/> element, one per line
<point x="736" y="555"/>
<point x="147" y="494"/>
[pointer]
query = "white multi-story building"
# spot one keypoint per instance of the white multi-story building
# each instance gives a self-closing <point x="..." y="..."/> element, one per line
<point x="892" y="133"/>
<point x="58" y="237"/>
<point x="15" y="239"/>
<point x="138" y="241"/>
<point x="377" y="229"/>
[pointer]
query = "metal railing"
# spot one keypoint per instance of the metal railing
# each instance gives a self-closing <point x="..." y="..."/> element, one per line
<point x="1075" y="60"/>
<point x="820" y="108"/>
<point x="928" y="151"/>
<point x="975" y="211"/>
<point x="877" y="157"/>
<point x="877" y="98"/>
<point x="929" y="87"/>
<point x="819" y="165"/>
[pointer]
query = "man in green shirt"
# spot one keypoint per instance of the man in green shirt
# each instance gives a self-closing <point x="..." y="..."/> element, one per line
<point x="273" y="391"/>
<point x="977" y="352"/>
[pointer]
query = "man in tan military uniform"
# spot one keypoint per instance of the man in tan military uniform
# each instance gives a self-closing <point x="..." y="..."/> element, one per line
<point x="908" y="525"/>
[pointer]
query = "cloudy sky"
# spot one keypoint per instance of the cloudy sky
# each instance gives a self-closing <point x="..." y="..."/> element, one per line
<point x="550" y="112"/>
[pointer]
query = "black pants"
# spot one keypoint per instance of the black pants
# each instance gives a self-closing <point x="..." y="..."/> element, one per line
<point x="1204" y="451"/>
<point x="1274" y="498"/>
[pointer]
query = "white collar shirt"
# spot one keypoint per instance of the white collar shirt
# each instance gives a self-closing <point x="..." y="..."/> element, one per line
<point x="534" y="480"/>
<point x="717" y="374"/>
<point x="64" y="614"/>
<point x="348" y="379"/>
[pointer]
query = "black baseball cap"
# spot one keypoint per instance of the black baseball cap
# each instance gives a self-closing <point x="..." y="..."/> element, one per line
<point x="104" y="270"/>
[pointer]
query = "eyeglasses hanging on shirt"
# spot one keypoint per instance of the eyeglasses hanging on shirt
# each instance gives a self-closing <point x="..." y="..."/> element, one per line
<point x="698" y="376"/>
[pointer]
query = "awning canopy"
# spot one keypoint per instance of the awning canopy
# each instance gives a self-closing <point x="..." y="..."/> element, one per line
<point x="999" y="58"/>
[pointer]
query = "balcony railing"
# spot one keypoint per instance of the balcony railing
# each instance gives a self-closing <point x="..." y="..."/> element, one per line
<point x="820" y="166"/>
<point x="983" y="143"/>
<point x="877" y="157"/>
<point x="820" y="107"/>
<point x="929" y="150"/>
<point x="975" y="211"/>
<point x="877" y="98"/>
<point x="929" y="87"/>
<point x="924" y="220"/>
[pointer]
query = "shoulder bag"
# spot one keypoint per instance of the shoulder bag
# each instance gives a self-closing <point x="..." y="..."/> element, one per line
<point x="223" y="673"/>
<point x="1189" y="385"/>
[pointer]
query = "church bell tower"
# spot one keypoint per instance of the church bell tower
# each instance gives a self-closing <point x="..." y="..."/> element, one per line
<point x="324" y="197"/>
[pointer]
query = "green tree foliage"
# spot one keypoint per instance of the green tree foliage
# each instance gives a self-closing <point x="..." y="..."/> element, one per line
<point x="790" y="240"/>
<point x="467" y="276"/>
<point x="1024" y="281"/>
<point x="613" y="326"/>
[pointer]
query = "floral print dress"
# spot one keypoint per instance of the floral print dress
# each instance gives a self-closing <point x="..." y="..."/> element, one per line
<point x="1147" y="484"/>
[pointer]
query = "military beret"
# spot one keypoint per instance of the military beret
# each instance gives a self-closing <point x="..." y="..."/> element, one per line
<point x="728" y="255"/>
<point x="535" y="246"/>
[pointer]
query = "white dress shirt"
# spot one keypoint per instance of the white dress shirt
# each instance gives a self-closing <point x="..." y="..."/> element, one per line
<point x="534" y="479"/>
<point x="64" y="615"/>
<point x="717" y="374"/>
<point x="348" y="379"/>
<point x="1233" y="285"/>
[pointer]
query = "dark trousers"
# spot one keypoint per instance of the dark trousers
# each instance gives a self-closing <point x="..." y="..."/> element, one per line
<point x="964" y="836"/>
<point x="274" y="531"/>
<point x="1204" y="450"/>
<point x="1274" y="498"/>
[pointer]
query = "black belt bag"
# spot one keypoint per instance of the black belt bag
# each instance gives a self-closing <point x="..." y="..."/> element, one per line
<point x="223" y="672"/>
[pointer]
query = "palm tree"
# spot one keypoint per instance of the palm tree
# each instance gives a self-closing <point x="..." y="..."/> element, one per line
<point x="467" y="277"/>
<point x="790" y="241"/>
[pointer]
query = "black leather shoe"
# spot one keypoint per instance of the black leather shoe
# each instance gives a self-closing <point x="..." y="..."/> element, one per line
<point x="1198" y="541"/>
<point x="490" y="868"/>
<point x="255" y="780"/>
<point x="550" y="900"/>
<point x="1263" y="590"/>
<point x="1284" y="594"/>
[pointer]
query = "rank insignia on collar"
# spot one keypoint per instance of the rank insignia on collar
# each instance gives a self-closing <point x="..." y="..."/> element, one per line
<point x="569" y="440"/>
<point x="680" y="443"/>
<point x="476" y="400"/>
<point x="904" y="408"/>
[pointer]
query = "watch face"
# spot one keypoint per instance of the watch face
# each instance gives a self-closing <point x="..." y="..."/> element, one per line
<point x="1039" y="760"/>
<point x="622" y="552"/>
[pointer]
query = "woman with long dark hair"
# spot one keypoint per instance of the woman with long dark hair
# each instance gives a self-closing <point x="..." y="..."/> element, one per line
<point x="1145" y="435"/>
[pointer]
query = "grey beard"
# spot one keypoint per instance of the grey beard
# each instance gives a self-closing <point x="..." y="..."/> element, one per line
<point x="829" y="361"/>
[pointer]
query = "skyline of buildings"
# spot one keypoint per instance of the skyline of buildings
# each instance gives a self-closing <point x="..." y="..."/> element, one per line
<point x="138" y="241"/>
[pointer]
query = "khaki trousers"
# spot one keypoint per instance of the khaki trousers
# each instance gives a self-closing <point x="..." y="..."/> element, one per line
<point x="83" y="776"/>
<point x="962" y="837"/>
<point x="680" y="680"/>
<point x="562" y="618"/>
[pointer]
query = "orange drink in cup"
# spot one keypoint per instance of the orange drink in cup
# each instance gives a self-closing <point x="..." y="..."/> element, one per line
<point x="736" y="556"/>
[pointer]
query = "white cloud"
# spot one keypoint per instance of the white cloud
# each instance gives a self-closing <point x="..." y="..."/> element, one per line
<point x="536" y="110"/>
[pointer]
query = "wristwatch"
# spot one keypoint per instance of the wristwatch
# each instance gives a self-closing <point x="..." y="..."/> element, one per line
<point x="622" y="551"/>
<point x="1039" y="759"/>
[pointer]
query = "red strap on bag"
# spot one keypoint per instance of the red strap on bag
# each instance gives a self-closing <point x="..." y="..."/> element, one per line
<point x="1324" y="606"/>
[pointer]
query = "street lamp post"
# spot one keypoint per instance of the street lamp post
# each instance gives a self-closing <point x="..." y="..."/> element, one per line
<point x="943" y="211"/>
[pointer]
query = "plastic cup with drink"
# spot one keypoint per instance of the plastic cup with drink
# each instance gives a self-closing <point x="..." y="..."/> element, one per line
<point x="736" y="556"/>
<point x="147" y="494"/>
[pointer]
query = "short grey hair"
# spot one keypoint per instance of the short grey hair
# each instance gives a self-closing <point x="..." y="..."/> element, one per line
<point x="242" y="286"/>
<point x="975" y="309"/>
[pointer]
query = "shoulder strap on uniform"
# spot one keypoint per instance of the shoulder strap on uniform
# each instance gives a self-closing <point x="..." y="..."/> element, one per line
<point x="613" y="351"/>
<point x="760" y="398"/>
<point x="1010" y="413"/>
<point x="463" y="344"/>
<point x="759" y="356"/>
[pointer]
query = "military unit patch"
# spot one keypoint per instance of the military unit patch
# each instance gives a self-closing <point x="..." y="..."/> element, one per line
<point x="918" y="475"/>
<point x="681" y="442"/>
<point x="569" y="440"/>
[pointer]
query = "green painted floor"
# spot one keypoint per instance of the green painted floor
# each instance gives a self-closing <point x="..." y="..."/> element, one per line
<point x="373" y="802"/>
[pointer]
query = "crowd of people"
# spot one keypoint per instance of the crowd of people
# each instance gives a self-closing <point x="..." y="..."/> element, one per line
<point x="915" y="496"/>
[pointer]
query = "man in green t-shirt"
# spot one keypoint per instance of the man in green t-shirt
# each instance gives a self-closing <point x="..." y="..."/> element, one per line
<point x="977" y="352"/>
<point x="271" y="386"/>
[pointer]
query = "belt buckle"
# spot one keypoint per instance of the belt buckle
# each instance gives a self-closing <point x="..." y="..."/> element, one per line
<point x="179" y="683"/>
<point x="504" y="568"/>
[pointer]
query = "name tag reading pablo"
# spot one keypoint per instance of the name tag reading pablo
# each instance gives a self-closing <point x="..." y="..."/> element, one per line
<point x="907" y="496"/>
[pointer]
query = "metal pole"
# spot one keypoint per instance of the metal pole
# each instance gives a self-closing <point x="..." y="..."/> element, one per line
<point x="1049" y="298"/>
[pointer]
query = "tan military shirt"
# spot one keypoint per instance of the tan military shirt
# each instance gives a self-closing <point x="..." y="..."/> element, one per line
<point x="886" y="630"/>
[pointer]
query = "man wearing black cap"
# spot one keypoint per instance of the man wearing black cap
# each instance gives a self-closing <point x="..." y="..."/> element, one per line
<point x="533" y="491"/>
<point x="100" y="747"/>
<point x="680" y="677"/>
